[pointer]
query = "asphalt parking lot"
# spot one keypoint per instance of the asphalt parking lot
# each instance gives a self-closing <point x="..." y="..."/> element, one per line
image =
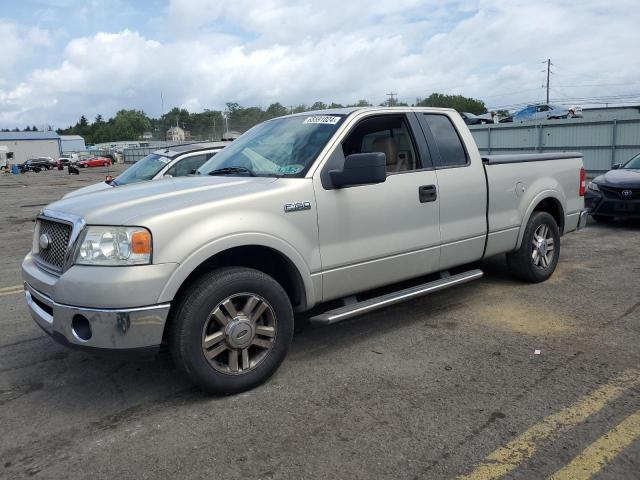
<point x="449" y="385"/>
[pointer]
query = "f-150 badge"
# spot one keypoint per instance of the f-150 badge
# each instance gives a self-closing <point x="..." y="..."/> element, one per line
<point x="294" y="207"/>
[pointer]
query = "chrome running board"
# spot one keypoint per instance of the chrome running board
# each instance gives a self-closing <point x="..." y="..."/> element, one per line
<point x="366" y="306"/>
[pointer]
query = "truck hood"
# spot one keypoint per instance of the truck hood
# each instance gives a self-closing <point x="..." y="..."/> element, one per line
<point x="620" y="178"/>
<point x="134" y="204"/>
<point x="96" y="187"/>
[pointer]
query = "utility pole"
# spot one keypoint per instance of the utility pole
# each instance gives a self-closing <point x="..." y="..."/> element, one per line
<point x="392" y="101"/>
<point x="548" y="73"/>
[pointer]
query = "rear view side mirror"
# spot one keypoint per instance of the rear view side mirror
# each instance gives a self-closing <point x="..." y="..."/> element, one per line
<point x="360" y="169"/>
<point x="616" y="166"/>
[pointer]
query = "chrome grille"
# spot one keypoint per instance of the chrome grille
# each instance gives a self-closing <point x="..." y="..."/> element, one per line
<point x="59" y="234"/>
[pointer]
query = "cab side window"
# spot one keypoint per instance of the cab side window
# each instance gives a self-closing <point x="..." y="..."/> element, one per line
<point x="447" y="141"/>
<point x="387" y="134"/>
<point x="188" y="166"/>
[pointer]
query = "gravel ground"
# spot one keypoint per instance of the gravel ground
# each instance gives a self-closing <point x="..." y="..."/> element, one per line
<point x="425" y="389"/>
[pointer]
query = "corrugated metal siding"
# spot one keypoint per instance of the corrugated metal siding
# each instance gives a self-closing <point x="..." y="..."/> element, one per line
<point x="603" y="142"/>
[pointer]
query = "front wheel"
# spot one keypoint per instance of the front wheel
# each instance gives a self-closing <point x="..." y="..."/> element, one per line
<point x="537" y="258"/>
<point x="231" y="329"/>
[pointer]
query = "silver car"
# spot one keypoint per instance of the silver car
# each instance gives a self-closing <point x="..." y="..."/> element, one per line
<point x="546" y="111"/>
<point x="176" y="161"/>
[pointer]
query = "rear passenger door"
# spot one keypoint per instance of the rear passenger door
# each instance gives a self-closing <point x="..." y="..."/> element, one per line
<point x="462" y="189"/>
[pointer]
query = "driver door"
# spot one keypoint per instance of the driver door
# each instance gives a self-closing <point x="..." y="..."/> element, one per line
<point x="371" y="235"/>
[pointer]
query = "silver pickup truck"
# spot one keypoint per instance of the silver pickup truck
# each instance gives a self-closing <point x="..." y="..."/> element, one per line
<point x="306" y="213"/>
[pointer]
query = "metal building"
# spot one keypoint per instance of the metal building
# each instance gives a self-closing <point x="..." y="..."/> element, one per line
<point x="72" y="144"/>
<point x="25" y="145"/>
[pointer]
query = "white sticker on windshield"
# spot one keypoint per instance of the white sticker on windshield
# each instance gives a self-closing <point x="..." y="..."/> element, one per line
<point x="325" y="119"/>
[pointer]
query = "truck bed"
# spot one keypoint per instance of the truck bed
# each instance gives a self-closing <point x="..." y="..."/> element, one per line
<point x="515" y="184"/>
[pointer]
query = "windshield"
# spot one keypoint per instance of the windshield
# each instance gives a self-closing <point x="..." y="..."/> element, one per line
<point x="633" y="164"/>
<point x="144" y="169"/>
<point x="285" y="146"/>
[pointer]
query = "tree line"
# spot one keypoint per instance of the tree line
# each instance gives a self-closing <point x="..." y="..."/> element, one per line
<point x="213" y="124"/>
<point x="26" y="129"/>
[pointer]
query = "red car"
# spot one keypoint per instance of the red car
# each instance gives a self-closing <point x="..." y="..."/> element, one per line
<point x="95" y="162"/>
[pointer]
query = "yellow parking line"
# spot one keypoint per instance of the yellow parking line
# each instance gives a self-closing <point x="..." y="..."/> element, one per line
<point x="599" y="453"/>
<point x="4" y="289"/>
<point x="508" y="458"/>
<point x="11" y="292"/>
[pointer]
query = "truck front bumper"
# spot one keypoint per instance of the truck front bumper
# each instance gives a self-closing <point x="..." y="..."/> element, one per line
<point x="98" y="328"/>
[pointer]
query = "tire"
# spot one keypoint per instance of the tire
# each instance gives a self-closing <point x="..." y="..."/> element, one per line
<point x="204" y="323"/>
<point x="535" y="261"/>
<point x="602" y="218"/>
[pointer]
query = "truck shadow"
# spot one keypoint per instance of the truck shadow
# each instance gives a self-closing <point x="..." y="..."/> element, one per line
<point x="53" y="375"/>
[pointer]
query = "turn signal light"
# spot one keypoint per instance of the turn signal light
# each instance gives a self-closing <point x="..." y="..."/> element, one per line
<point x="583" y="182"/>
<point x="141" y="242"/>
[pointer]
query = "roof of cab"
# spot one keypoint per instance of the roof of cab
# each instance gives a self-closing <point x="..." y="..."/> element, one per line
<point x="350" y="110"/>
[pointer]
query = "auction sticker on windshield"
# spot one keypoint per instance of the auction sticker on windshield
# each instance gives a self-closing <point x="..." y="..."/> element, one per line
<point x="325" y="119"/>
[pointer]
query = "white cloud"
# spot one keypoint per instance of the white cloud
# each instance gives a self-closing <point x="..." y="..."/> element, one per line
<point x="204" y="53"/>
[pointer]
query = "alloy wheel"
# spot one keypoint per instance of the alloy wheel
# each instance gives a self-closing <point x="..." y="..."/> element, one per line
<point x="542" y="248"/>
<point x="239" y="333"/>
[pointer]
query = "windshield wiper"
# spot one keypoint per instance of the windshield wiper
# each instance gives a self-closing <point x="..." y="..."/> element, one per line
<point x="232" y="170"/>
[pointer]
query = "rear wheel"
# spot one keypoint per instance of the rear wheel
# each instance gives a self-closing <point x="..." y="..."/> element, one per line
<point x="231" y="329"/>
<point x="537" y="258"/>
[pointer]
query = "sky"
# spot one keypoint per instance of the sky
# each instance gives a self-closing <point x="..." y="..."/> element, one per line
<point x="60" y="59"/>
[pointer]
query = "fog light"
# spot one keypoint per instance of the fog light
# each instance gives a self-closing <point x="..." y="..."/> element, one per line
<point x="81" y="328"/>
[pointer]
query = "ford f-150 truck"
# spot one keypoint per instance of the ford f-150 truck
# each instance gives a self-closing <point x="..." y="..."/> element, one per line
<point x="309" y="212"/>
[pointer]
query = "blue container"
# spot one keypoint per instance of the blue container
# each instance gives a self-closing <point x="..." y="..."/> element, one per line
<point x="15" y="170"/>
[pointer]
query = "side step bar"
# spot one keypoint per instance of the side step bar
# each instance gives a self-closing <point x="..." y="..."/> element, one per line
<point x="366" y="306"/>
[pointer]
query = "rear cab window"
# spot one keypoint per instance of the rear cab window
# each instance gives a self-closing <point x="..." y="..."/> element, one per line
<point x="444" y="141"/>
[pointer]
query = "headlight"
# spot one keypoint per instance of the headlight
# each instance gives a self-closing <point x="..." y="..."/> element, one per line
<point x="593" y="187"/>
<point x="114" y="246"/>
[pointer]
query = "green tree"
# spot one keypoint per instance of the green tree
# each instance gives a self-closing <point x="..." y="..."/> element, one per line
<point x="129" y="124"/>
<point x="28" y="129"/>
<point x="457" y="102"/>
<point x="318" y="106"/>
<point x="276" y="110"/>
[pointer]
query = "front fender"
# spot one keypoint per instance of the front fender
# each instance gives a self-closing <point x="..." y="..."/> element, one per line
<point x="195" y="259"/>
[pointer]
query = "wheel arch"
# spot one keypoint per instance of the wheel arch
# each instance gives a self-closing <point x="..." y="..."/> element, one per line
<point x="550" y="202"/>
<point x="267" y="254"/>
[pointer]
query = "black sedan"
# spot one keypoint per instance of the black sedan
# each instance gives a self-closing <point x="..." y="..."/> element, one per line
<point x="37" y="164"/>
<point x="616" y="193"/>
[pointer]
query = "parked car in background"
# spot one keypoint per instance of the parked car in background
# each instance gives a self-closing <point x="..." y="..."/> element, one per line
<point x="616" y="193"/>
<point x="41" y="163"/>
<point x="95" y="162"/>
<point x="546" y="111"/>
<point x="176" y="161"/>
<point x="66" y="161"/>
<point x="471" y="119"/>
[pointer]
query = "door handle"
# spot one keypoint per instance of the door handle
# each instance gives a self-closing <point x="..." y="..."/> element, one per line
<point x="427" y="193"/>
